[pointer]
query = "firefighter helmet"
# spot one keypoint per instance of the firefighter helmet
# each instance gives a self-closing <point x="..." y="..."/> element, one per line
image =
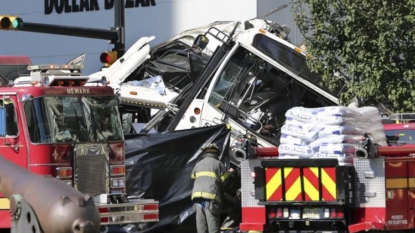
<point x="212" y="148"/>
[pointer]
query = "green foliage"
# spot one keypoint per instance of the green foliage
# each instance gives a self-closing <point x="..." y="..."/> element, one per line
<point x="371" y="42"/>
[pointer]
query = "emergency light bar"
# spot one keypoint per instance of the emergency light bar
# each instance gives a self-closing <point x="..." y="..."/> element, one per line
<point x="65" y="80"/>
<point x="54" y="67"/>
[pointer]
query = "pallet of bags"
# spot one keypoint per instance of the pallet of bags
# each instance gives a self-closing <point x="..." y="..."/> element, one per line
<point x="328" y="132"/>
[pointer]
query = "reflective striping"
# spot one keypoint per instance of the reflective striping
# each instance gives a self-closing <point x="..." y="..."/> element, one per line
<point x="292" y="183"/>
<point x="311" y="184"/>
<point x="396" y="183"/>
<point x="210" y="174"/>
<point x="411" y="182"/>
<point x="316" y="184"/>
<point x="206" y="195"/>
<point x="225" y="176"/>
<point x="4" y="204"/>
<point x="311" y="193"/>
<point x="273" y="189"/>
<point x="328" y="181"/>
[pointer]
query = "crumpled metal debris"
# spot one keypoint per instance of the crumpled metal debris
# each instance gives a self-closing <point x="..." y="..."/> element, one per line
<point x="155" y="83"/>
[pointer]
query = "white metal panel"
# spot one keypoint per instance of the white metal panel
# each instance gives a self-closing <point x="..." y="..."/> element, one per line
<point x="247" y="183"/>
<point x="370" y="189"/>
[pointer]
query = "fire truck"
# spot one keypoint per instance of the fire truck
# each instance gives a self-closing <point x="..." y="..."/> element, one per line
<point x="53" y="125"/>
<point x="374" y="192"/>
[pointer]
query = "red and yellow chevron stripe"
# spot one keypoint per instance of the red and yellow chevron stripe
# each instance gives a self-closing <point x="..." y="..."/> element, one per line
<point x="328" y="180"/>
<point x="311" y="184"/>
<point x="316" y="184"/>
<point x="273" y="189"/>
<point x="292" y="183"/>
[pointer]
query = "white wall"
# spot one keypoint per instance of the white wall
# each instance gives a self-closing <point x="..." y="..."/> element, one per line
<point x="166" y="19"/>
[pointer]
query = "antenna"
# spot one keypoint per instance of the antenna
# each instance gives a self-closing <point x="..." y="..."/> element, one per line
<point x="272" y="11"/>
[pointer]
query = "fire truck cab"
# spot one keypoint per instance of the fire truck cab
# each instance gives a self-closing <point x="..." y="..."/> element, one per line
<point x="53" y="125"/>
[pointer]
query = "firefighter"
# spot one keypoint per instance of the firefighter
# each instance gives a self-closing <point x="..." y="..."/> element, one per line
<point x="210" y="176"/>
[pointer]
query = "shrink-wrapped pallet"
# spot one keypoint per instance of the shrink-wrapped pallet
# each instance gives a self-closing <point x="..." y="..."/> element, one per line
<point x="329" y="132"/>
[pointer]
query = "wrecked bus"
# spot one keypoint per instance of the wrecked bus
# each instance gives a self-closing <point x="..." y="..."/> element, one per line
<point x="250" y="82"/>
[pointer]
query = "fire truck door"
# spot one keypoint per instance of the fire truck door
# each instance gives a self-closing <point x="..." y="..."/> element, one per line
<point x="12" y="144"/>
<point x="397" y="203"/>
<point x="411" y="194"/>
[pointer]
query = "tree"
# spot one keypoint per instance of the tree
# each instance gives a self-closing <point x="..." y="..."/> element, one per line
<point x="370" y="43"/>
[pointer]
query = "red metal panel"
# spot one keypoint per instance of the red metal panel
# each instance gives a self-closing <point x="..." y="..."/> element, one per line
<point x="5" y="219"/>
<point x="14" y="148"/>
<point x="370" y="215"/>
<point x="396" y="175"/>
<point x="253" y="219"/>
<point x="365" y="226"/>
<point x="396" y="151"/>
<point x="15" y="60"/>
<point x="411" y="194"/>
<point x="267" y="151"/>
<point x="396" y="169"/>
<point x="42" y="91"/>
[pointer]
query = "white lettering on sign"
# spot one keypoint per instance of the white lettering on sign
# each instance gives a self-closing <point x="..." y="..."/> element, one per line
<point x="73" y="91"/>
<point x="397" y="220"/>
<point x="68" y="6"/>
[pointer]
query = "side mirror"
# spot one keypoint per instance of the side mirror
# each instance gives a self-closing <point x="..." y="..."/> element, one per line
<point x="200" y="43"/>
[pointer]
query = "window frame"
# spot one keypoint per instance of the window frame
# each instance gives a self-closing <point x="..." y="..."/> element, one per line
<point x="15" y="118"/>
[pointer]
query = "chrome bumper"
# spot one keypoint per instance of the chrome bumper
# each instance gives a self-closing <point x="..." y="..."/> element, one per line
<point x="134" y="212"/>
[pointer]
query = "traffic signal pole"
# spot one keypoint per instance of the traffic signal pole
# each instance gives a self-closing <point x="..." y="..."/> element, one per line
<point x="93" y="33"/>
<point x="116" y="34"/>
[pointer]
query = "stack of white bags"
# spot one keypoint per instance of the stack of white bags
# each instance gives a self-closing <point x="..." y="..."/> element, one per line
<point x="329" y="132"/>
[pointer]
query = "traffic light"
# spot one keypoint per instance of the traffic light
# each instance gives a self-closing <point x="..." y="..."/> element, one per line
<point x="9" y="22"/>
<point x="108" y="58"/>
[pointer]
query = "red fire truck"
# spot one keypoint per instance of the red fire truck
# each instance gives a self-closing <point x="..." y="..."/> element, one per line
<point x="51" y="124"/>
<point x="375" y="192"/>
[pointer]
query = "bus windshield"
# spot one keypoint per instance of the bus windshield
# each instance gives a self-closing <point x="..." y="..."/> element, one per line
<point x="291" y="60"/>
<point x="60" y="119"/>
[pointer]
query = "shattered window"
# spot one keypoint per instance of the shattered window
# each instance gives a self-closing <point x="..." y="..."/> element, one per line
<point x="225" y="82"/>
<point x="291" y="60"/>
<point x="285" y="56"/>
<point x="257" y="94"/>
